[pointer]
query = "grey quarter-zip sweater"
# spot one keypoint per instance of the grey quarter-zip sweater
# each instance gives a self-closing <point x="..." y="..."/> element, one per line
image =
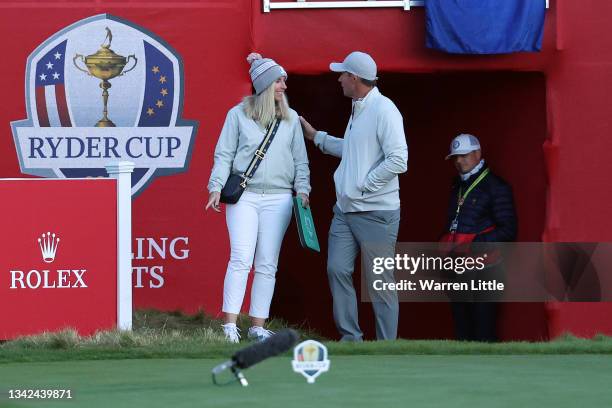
<point x="284" y="167"/>
<point x="373" y="152"/>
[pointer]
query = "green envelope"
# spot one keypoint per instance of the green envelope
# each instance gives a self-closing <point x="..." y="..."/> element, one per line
<point x="305" y="225"/>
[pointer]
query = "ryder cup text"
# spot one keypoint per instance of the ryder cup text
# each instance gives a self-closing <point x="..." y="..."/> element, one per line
<point x="102" y="147"/>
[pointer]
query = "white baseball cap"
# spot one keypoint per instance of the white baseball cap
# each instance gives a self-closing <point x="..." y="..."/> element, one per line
<point x="463" y="144"/>
<point x="357" y="63"/>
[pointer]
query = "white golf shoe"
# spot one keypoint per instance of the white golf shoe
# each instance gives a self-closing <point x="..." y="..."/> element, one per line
<point x="259" y="333"/>
<point x="232" y="332"/>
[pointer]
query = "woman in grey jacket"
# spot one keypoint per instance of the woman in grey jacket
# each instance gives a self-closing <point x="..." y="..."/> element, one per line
<point x="258" y="221"/>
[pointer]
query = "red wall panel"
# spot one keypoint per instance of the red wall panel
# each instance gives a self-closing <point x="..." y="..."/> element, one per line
<point x="58" y="292"/>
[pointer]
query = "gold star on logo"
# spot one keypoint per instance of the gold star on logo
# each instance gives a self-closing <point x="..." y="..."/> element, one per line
<point x="164" y="92"/>
<point x="159" y="103"/>
<point x="155" y="69"/>
<point x="150" y="111"/>
<point x="162" y="79"/>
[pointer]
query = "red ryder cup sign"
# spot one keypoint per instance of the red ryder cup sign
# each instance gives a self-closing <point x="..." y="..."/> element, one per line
<point x="58" y="266"/>
<point x="103" y="90"/>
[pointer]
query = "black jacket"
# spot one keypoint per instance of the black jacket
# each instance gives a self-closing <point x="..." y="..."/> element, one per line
<point x="489" y="204"/>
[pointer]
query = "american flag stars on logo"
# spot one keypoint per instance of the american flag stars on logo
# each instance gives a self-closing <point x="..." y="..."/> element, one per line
<point x="51" y="104"/>
<point x="55" y="75"/>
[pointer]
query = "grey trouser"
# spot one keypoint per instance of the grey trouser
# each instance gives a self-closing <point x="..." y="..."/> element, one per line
<point x="375" y="233"/>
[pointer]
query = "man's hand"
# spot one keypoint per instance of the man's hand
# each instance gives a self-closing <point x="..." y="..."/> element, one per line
<point x="309" y="131"/>
<point x="305" y="200"/>
<point x="213" y="201"/>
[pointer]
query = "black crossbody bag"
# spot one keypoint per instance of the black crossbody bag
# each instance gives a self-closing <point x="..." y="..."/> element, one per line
<point x="236" y="183"/>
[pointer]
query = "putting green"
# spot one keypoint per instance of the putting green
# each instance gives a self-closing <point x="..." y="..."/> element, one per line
<point x="353" y="381"/>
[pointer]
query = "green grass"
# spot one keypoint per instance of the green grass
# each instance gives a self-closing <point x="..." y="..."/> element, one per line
<point x="177" y="335"/>
<point x="193" y="348"/>
<point x="167" y="358"/>
<point x="353" y="381"/>
<point x="155" y="334"/>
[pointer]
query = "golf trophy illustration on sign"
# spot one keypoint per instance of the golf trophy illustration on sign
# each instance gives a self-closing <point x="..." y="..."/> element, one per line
<point x="105" y="64"/>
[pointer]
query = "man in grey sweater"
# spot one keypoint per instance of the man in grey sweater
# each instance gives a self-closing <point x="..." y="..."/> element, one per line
<point x="367" y="212"/>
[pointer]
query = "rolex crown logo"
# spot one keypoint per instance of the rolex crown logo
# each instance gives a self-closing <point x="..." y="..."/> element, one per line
<point x="48" y="246"/>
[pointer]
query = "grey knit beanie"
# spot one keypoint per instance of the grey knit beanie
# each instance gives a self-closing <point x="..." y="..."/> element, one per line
<point x="264" y="71"/>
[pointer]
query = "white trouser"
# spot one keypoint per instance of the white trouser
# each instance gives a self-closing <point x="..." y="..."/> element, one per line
<point x="256" y="225"/>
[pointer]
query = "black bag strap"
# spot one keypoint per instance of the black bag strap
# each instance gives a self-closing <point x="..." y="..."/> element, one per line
<point x="260" y="153"/>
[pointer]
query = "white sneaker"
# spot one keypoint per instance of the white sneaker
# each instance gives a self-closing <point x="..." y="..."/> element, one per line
<point x="231" y="332"/>
<point x="259" y="333"/>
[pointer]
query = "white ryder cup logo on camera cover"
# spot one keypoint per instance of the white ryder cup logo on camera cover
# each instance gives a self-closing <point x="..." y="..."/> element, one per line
<point x="101" y="91"/>
<point x="310" y="359"/>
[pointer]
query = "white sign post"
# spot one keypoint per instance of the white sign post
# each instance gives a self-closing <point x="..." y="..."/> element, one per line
<point x="122" y="172"/>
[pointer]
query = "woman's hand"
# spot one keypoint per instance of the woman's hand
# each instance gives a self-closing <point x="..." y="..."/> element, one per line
<point x="305" y="200"/>
<point x="213" y="201"/>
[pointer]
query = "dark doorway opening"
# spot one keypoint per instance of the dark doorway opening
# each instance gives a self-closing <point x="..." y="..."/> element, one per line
<point x="505" y="110"/>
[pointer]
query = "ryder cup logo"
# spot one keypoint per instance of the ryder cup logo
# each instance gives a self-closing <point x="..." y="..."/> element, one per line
<point x="100" y="91"/>
<point x="310" y="359"/>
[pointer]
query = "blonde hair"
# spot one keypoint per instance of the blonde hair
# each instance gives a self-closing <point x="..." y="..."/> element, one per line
<point x="263" y="108"/>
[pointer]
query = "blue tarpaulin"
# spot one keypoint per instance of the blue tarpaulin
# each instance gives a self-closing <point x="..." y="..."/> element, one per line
<point x="485" y="26"/>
